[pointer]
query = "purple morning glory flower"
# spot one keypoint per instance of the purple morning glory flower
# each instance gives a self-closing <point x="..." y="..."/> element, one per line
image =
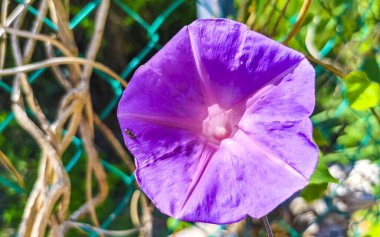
<point x="218" y="123"/>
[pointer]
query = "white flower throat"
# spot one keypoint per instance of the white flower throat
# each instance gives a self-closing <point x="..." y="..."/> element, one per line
<point x="218" y="125"/>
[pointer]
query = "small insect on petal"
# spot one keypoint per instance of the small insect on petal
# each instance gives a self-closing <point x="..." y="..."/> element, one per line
<point x="130" y="134"/>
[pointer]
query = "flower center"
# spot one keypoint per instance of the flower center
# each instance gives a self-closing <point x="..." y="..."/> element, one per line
<point x="218" y="124"/>
<point x="221" y="132"/>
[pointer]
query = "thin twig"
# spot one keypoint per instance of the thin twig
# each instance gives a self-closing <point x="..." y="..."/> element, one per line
<point x="3" y="40"/>
<point x="44" y="38"/>
<point x="5" y="161"/>
<point x="37" y="25"/>
<point x="56" y="70"/>
<point x="146" y="218"/>
<point x="84" y="226"/>
<point x="18" y="11"/>
<point x="327" y="66"/>
<point x="300" y="19"/>
<point x="119" y="149"/>
<point x="269" y="18"/>
<point x="267" y="3"/>
<point x="91" y="209"/>
<point x="36" y="108"/>
<point x="251" y="19"/>
<point x="92" y="50"/>
<point x="99" y="172"/>
<point x="134" y="208"/>
<point x="282" y="14"/>
<point x="60" y="61"/>
<point x="40" y="37"/>
<point x="23" y="82"/>
<point x="76" y="114"/>
<point x="67" y="37"/>
<point x="242" y="10"/>
<point x="52" y="11"/>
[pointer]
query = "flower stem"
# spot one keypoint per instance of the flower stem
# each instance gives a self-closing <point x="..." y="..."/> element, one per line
<point x="267" y="226"/>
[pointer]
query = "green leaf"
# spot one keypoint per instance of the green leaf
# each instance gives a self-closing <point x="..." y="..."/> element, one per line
<point x="318" y="183"/>
<point x="177" y="225"/>
<point x="371" y="67"/>
<point x="313" y="192"/>
<point x="322" y="175"/>
<point x="361" y="92"/>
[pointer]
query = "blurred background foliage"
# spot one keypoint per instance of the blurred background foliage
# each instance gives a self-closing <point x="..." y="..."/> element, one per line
<point x="342" y="34"/>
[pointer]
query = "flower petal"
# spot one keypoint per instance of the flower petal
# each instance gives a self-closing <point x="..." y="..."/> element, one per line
<point x="215" y="198"/>
<point x="241" y="178"/>
<point x="168" y="86"/>
<point x="289" y="98"/>
<point x="166" y="160"/>
<point x="265" y="180"/>
<point x="278" y="119"/>
<point x="234" y="62"/>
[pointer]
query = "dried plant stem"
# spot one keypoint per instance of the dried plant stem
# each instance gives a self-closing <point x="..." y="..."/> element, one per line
<point x="242" y="10"/>
<point x="56" y="70"/>
<point x="52" y="11"/>
<point x="86" y="126"/>
<point x="60" y="61"/>
<point x="137" y="196"/>
<point x="74" y="113"/>
<point x="32" y="102"/>
<point x="81" y="226"/>
<point x="89" y="197"/>
<point x="269" y="18"/>
<point x="47" y="189"/>
<point x="327" y="66"/>
<point x="282" y="14"/>
<point x="98" y="172"/>
<point x="3" y="17"/>
<point x="35" y="107"/>
<point x="251" y="19"/>
<point x="92" y="50"/>
<point x="40" y="37"/>
<point x="119" y="149"/>
<point x="66" y="35"/>
<point x="267" y="226"/>
<point x="147" y="218"/>
<point x="18" y="11"/>
<point x="37" y="25"/>
<point x="267" y="3"/>
<point x="4" y="160"/>
<point x="134" y="208"/>
<point x="52" y="183"/>
<point x="48" y="202"/>
<point x="300" y="19"/>
<point x="21" y="115"/>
